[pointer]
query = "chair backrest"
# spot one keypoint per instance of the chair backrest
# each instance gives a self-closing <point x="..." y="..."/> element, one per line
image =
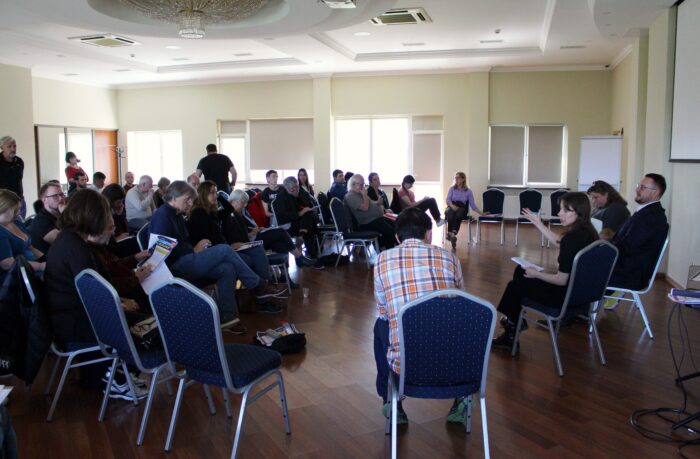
<point x="493" y="200"/>
<point x="273" y="219"/>
<point x="656" y="267"/>
<point x="445" y="340"/>
<point x="104" y="309"/>
<point x="223" y="194"/>
<point x="189" y="325"/>
<point x="554" y="201"/>
<point x="530" y="199"/>
<point x="342" y="224"/>
<point x="354" y="224"/>
<point x="325" y="210"/>
<point x="395" y="206"/>
<point x="590" y="274"/>
<point x="257" y="211"/>
<point x="142" y="236"/>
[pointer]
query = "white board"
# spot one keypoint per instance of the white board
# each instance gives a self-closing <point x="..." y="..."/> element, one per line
<point x="600" y="159"/>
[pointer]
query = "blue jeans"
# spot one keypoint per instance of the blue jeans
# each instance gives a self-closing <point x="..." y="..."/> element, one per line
<point x="223" y="265"/>
<point x="381" y="346"/>
<point x="256" y="259"/>
<point x="8" y="439"/>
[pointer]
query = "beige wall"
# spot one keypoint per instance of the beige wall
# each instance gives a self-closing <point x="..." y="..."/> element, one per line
<point x="581" y="100"/>
<point x="195" y="109"/>
<point x="16" y="120"/>
<point x="57" y="103"/>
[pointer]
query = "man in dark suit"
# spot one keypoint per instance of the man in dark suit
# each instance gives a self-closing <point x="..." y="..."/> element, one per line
<point x="641" y="238"/>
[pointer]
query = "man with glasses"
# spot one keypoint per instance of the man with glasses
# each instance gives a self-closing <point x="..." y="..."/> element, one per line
<point x="641" y="238"/>
<point x="43" y="229"/>
<point x="369" y="215"/>
<point x="302" y="220"/>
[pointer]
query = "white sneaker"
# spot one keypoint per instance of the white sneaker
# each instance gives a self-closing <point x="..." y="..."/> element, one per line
<point x="137" y="380"/>
<point x="123" y="391"/>
<point x="441" y="222"/>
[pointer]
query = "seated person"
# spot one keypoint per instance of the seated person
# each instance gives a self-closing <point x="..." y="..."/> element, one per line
<point x="459" y="199"/>
<point x="375" y="191"/>
<point x="290" y="209"/>
<point x="43" y="229"/>
<point x="338" y="187"/>
<point x="128" y="181"/>
<point x="241" y="228"/>
<point x="193" y="180"/>
<point x="14" y="237"/>
<point x="98" y="182"/>
<point x="86" y="216"/>
<point x="81" y="183"/>
<point x="609" y="207"/>
<point x="640" y="239"/>
<point x="121" y="243"/>
<point x="369" y="216"/>
<point x="548" y="289"/>
<point x="163" y="184"/>
<point x="408" y="199"/>
<point x="304" y="185"/>
<point x="205" y="222"/>
<point x="203" y="261"/>
<point x="270" y="192"/>
<point x="138" y="203"/>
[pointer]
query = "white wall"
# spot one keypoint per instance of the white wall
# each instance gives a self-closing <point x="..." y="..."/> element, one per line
<point x="57" y="103"/>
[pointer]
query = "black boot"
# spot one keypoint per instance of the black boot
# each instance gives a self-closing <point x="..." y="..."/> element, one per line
<point x="506" y="339"/>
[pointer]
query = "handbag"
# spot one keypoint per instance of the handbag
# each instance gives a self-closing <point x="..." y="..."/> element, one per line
<point x="285" y="339"/>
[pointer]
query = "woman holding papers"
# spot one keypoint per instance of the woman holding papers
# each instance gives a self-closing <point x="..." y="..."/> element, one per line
<point x="545" y="288"/>
<point x="203" y="262"/>
<point x="609" y="207"/>
<point x="206" y="222"/>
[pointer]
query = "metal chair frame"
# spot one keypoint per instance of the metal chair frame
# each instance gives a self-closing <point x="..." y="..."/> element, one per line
<point x="345" y="235"/>
<point x="497" y="218"/>
<point x="519" y="220"/>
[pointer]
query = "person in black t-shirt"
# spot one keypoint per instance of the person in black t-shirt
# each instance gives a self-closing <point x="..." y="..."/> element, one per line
<point x="12" y="170"/>
<point x="270" y="192"/>
<point x="43" y="229"/>
<point x="545" y="288"/>
<point x="216" y="167"/>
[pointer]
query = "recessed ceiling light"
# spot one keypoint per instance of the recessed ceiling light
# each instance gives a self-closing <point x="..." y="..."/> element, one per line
<point x="490" y="41"/>
<point x="605" y="12"/>
<point x="178" y="59"/>
<point x="70" y="74"/>
<point x="242" y="54"/>
<point x="268" y="38"/>
<point x="572" y="47"/>
<point x="413" y="44"/>
<point x="172" y="47"/>
<point x="362" y="34"/>
<point x="121" y="70"/>
<point x="60" y="55"/>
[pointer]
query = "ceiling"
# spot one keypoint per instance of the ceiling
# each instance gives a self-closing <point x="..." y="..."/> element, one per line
<point x="303" y="38"/>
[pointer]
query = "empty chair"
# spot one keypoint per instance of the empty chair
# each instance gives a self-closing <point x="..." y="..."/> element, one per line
<point x="142" y="236"/>
<point x="493" y="205"/>
<point x="189" y="324"/>
<point x="104" y="309"/>
<point x="444" y="341"/>
<point x="554" y="213"/>
<point x="529" y="199"/>
<point x="343" y="227"/>
<point x="589" y="277"/>
<point x="637" y="294"/>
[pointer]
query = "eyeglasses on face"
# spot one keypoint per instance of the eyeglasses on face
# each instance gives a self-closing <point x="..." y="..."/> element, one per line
<point x="57" y="195"/>
<point x="641" y="186"/>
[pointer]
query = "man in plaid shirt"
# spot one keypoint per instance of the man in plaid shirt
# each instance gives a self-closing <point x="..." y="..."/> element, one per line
<point x="404" y="273"/>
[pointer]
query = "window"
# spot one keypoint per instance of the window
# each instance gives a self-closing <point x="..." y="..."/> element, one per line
<point x="530" y="155"/>
<point x="378" y="145"/>
<point x="234" y="148"/>
<point x="80" y="143"/>
<point x="155" y="153"/>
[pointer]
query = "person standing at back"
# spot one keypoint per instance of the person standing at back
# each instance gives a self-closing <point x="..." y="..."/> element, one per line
<point x="12" y="170"/>
<point x="216" y="167"/>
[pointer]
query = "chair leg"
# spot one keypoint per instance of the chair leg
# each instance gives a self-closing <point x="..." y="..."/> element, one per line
<point x="484" y="427"/>
<point x="478" y="233"/>
<point x="108" y="387"/>
<point x="516" y="339"/>
<point x="285" y="271"/>
<point x="469" y="414"/>
<point x="173" y="417"/>
<point x="227" y="402"/>
<point x="503" y="232"/>
<point x="47" y="391"/>
<point x="555" y="348"/>
<point x="130" y="382"/>
<point x="283" y="401"/>
<point x="640" y="306"/>
<point x="147" y="409"/>
<point x="210" y="400"/>
<point x="59" y="389"/>
<point x="517" y="227"/>
<point x="394" y="420"/>
<point x="239" y="425"/>
<point x="549" y="227"/>
<point x="387" y="428"/>
<point x="596" y="337"/>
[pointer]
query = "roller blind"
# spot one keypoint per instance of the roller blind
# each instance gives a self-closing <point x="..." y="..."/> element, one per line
<point x="544" y="154"/>
<point x="281" y="144"/>
<point x="426" y="157"/>
<point x="232" y="127"/>
<point x="507" y="154"/>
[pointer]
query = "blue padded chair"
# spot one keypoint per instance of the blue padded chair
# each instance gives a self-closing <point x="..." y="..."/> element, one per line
<point x="554" y="214"/>
<point x="589" y="277"/>
<point x="636" y="294"/>
<point x="281" y="261"/>
<point x="189" y="323"/>
<point x="344" y="232"/>
<point x="444" y="341"/>
<point x="529" y="199"/>
<point x="142" y="236"/>
<point x="494" y="200"/>
<point x="106" y="315"/>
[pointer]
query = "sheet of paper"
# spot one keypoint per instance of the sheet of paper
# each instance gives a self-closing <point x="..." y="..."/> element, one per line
<point x="526" y="264"/>
<point x="597" y="224"/>
<point x="157" y="276"/>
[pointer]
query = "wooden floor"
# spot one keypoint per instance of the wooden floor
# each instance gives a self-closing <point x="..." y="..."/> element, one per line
<point x="335" y="412"/>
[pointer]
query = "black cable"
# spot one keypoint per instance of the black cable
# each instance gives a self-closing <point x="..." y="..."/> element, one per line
<point x="675" y="413"/>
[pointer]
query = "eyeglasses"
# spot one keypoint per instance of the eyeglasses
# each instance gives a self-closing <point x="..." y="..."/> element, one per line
<point x="644" y="187"/>
<point x="57" y="195"/>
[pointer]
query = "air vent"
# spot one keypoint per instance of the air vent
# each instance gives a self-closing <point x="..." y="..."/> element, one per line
<point x="106" y="40"/>
<point x="402" y="17"/>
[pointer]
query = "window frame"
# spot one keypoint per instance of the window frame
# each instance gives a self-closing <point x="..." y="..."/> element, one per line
<point x="161" y="153"/>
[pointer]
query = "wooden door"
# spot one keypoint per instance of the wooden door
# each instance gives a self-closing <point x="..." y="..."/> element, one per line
<point x="105" y="156"/>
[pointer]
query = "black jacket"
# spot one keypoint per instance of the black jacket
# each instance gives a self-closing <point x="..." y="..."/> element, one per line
<point x="639" y="242"/>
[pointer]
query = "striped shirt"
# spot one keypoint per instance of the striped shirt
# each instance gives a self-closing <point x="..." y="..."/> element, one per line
<point x="405" y="273"/>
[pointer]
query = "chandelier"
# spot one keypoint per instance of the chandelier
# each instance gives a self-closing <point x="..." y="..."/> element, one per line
<point x="193" y="15"/>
